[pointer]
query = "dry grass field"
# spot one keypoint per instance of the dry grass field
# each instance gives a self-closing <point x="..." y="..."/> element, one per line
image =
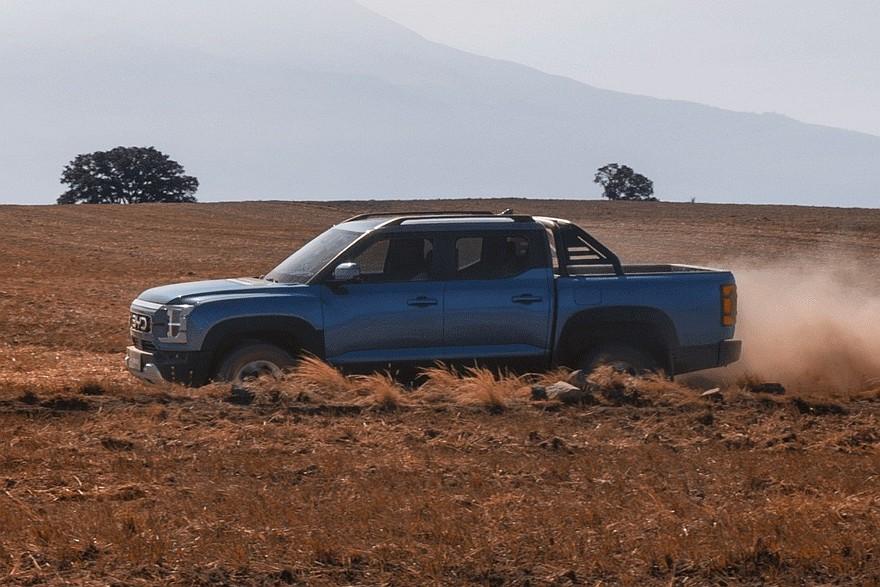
<point x="321" y="479"/>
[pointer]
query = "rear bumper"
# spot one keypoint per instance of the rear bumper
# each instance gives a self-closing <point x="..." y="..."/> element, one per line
<point x="188" y="368"/>
<point x="708" y="356"/>
<point x="729" y="352"/>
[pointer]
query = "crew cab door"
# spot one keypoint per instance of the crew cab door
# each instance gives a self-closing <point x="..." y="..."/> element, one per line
<point x="499" y="297"/>
<point x="392" y="313"/>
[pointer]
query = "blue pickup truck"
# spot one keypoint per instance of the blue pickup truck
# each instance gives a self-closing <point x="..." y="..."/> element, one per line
<point x="403" y="290"/>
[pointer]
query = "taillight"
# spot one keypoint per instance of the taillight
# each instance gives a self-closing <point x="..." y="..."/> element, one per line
<point x="728" y="304"/>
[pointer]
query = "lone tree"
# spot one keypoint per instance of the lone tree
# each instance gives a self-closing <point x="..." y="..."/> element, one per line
<point x="126" y="175"/>
<point x="620" y="182"/>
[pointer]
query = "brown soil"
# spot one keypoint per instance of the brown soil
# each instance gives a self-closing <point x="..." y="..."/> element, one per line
<point x="107" y="481"/>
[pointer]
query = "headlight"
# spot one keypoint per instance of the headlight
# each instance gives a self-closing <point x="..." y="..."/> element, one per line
<point x="176" y="325"/>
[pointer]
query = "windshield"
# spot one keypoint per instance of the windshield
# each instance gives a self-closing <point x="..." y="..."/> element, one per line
<point x="313" y="256"/>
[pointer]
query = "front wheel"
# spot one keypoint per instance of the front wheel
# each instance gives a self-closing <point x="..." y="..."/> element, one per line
<point x="253" y="360"/>
<point x="620" y="357"/>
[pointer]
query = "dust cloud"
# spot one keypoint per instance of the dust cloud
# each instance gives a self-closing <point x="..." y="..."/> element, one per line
<point x="810" y="326"/>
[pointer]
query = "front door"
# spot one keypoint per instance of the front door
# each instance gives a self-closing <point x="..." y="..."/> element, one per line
<point x="393" y="313"/>
<point x="498" y="301"/>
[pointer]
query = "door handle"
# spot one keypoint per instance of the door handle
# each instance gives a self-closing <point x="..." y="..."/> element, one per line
<point x="421" y="302"/>
<point x="526" y="299"/>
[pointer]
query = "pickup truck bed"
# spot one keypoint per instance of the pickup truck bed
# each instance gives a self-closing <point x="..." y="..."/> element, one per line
<point x="683" y="317"/>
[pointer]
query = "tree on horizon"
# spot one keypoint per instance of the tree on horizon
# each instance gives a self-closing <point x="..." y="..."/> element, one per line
<point x="620" y="182"/>
<point x="126" y="175"/>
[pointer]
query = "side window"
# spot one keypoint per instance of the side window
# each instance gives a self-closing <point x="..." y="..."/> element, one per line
<point x="396" y="259"/>
<point x="372" y="260"/>
<point x="495" y="256"/>
<point x="467" y="252"/>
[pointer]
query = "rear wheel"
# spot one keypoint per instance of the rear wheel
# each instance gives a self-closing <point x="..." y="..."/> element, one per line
<point x="253" y="360"/>
<point x="621" y="357"/>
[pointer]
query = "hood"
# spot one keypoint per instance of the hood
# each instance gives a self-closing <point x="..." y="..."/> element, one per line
<point x="179" y="292"/>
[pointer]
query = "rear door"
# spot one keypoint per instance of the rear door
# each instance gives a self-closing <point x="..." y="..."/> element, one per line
<point x="499" y="296"/>
<point x="394" y="313"/>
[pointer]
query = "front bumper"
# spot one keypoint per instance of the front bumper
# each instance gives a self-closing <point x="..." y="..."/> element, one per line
<point x="188" y="368"/>
<point x="140" y="364"/>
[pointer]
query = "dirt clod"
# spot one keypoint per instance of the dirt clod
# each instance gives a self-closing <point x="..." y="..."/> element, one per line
<point x="111" y="443"/>
<point x="818" y="408"/>
<point x="240" y="396"/>
<point x="29" y="398"/>
<point x="771" y="388"/>
<point x="67" y="404"/>
<point x="91" y="388"/>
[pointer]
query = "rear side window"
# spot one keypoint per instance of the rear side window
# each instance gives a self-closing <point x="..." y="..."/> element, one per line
<point x="497" y="256"/>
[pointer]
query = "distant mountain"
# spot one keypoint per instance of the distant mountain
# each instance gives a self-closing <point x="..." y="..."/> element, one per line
<point x="278" y="99"/>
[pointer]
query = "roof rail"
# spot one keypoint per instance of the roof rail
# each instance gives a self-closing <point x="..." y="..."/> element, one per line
<point x="509" y="217"/>
<point x="423" y="213"/>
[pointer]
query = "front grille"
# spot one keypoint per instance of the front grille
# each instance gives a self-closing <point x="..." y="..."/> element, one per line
<point x="143" y="345"/>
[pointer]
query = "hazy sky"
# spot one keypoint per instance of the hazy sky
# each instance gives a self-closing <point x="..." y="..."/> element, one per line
<point x="814" y="60"/>
<point x="328" y="99"/>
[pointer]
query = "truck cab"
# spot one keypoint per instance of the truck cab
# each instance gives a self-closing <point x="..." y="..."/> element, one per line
<point x="404" y="290"/>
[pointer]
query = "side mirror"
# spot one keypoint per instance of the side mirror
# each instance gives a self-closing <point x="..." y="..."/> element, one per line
<point x="346" y="271"/>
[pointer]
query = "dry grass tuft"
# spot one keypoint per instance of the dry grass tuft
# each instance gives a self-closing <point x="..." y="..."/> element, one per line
<point x="475" y="386"/>
<point x="480" y="386"/>
<point x="314" y="372"/>
<point x="608" y="377"/>
<point x="381" y="390"/>
<point x="439" y="384"/>
<point x="440" y="376"/>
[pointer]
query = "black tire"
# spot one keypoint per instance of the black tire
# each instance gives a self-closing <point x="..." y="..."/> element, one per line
<point x="622" y="357"/>
<point x="251" y="360"/>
